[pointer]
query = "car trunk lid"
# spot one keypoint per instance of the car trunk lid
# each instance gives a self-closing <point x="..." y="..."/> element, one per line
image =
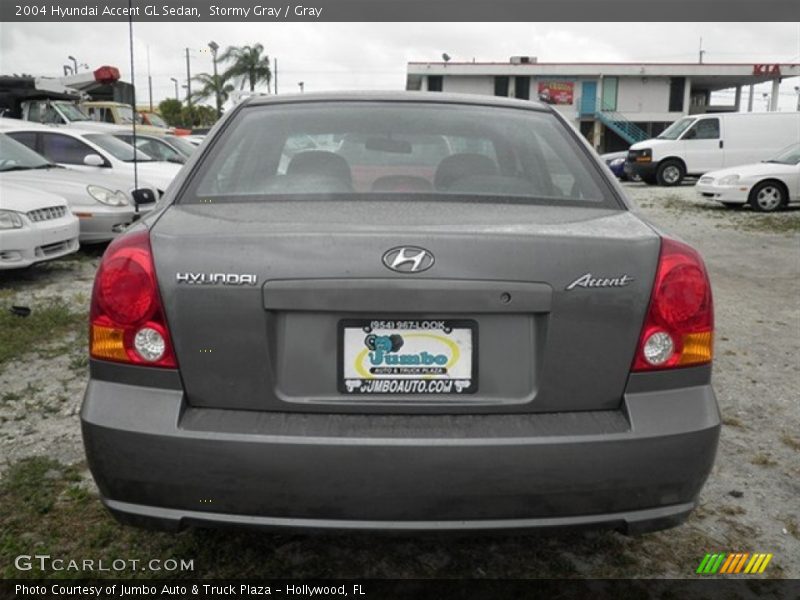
<point x="554" y="296"/>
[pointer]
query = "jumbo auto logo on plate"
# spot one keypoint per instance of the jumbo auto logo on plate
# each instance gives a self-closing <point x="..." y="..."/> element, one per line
<point x="408" y="357"/>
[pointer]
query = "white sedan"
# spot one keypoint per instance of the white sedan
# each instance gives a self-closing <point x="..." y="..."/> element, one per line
<point x="766" y="186"/>
<point x="105" y="204"/>
<point x="92" y="152"/>
<point x="34" y="226"/>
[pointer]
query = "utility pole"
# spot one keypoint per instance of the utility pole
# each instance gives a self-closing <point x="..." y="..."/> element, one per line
<point x="175" y="81"/>
<point x="702" y="52"/>
<point x="149" y="79"/>
<point x="188" y="81"/>
<point x="275" y="69"/>
<point x="214" y="48"/>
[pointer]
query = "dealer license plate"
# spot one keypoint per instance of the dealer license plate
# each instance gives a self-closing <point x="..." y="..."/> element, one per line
<point x="408" y="357"/>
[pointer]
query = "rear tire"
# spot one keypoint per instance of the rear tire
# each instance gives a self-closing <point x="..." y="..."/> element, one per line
<point x="768" y="196"/>
<point x="670" y="173"/>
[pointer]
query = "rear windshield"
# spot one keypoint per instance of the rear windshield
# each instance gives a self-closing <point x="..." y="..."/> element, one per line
<point x="396" y="148"/>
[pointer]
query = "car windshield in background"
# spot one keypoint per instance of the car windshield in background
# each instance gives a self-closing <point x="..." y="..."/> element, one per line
<point x="674" y="131"/>
<point x="181" y="145"/>
<point x="788" y="156"/>
<point x="117" y="148"/>
<point x="126" y="115"/>
<point x="72" y="112"/>
<point x="16" y="157"/>
<point x="155" y="147"/>
<point x="369" y="148"/>
<point x="157" y="121"/>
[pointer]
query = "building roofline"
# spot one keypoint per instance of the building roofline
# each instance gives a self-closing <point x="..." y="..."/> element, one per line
<point x="603" y="64"/>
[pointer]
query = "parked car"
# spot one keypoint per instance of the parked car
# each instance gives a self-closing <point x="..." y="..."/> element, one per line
<point x="92" y="152"/>
<point x="169" y="148"/>
<point x="153" y="118"/>
<point x="35" y="226"/>
<point x="105" y="204"/>
<point x="616" y="162"/>
<point x="194" y="139"/>
<point x="60" y="112"/>
<point x="118" y="113"/>
<point x="54" y="100"/>
<point x="697" y="144"/>
<point x="766" y="186"/>
<point x="499" y="343"/>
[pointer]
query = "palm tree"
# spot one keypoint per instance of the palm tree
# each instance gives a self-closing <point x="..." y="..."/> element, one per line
<point x="249" y="65"/>
<point x="209" y="85"/>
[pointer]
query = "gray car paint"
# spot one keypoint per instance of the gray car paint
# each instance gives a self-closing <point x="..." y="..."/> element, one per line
<point x="570" y="440"/>
<point x="592" y="331"/>
<point x="637" y="468"/>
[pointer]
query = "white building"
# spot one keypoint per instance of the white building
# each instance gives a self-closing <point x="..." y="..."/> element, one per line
<point x="613" y="104"/>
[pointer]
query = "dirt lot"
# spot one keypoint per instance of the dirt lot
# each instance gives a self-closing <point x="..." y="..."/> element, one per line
<point x="47" y="501"/>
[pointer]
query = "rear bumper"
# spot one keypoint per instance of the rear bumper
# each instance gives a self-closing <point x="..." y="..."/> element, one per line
<point x="160" y="463"/>
<point x="631" y="522"/>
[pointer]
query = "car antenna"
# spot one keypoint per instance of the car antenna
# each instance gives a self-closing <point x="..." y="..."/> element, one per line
<point x="133" y="86"/>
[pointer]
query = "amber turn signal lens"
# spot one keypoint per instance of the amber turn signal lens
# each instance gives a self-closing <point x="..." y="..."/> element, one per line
<point x="107" y="343"/>
<point x="698" y="348"/>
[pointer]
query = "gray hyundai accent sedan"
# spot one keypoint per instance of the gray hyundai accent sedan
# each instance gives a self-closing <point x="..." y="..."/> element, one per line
<point x="407" y="312"/>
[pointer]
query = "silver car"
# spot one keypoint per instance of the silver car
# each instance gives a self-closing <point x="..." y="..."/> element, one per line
<point x="35" y="226"/>
<point x="399" y="339"/>
<point x="105" y="204"/>
<point x="168" y="148"/>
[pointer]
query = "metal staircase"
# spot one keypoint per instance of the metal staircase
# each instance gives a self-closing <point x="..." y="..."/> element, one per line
<point x="624" y="128"/>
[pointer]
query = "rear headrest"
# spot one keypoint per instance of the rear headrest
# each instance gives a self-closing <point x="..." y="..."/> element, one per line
<point x="321" y="163"/>
<point x="458" y="166"/>
<point x="401" y="183"/>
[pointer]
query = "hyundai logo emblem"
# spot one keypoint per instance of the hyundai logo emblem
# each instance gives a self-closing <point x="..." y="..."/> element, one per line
<point x="408" y="259"/>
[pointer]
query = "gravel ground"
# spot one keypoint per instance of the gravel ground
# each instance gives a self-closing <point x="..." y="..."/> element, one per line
<point x="751" y="497"/>
<point x="749" y="504"/>
<point x="41" y="393"/>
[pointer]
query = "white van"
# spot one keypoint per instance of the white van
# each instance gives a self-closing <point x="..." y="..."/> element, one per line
<point x="697" y="144"/>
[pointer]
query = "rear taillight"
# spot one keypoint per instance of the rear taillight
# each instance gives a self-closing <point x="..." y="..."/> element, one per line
<point x="127" y="322"/>
<point x="678" y="330"/>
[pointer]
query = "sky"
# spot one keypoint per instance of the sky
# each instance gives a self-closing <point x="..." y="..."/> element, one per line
<point x="336" y="56"/>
